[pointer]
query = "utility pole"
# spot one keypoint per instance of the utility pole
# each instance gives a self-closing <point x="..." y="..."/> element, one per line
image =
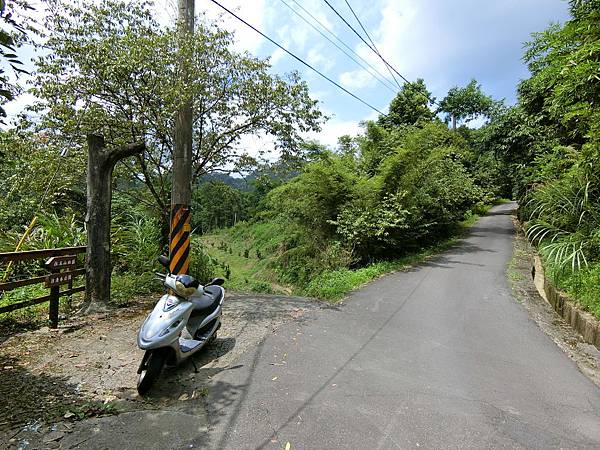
<point x="181" y="193"/>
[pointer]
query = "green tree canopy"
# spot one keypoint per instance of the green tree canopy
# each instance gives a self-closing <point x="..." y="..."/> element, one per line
<point x="465" y="104"/>
<point x="564" y="88"/>
<point x="12" y="35"/>
<point x="410" y="106"/>
<point x="110" y="69"/>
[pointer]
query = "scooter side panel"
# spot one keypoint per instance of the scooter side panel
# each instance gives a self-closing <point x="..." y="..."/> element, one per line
<point x="160" y="320"/>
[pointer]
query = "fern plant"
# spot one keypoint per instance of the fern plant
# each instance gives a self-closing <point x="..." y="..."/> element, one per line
<point x="564" y="221"/>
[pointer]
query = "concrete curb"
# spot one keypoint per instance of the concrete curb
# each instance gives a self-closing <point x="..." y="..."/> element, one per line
<point x="583" y="322"/>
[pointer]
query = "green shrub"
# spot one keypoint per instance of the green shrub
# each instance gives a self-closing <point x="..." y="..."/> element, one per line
<point x="128" y="289"/>
<point x="564" y="220"/>
<point x="262" y="287"/>
<point x="582" y="285"/>
<point x="202" y="266"/>
<point x="136" y="244"/>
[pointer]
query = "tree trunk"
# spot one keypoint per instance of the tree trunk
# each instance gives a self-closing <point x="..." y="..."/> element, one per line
<point x="101" y="162"/>
<point x="453" y="122"/>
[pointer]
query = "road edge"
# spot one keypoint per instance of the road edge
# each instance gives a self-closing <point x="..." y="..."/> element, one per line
<point x="586" y="356"/>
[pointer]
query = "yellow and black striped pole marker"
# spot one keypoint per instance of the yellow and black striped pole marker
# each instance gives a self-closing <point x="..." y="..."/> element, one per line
<point x="179" y="245"/>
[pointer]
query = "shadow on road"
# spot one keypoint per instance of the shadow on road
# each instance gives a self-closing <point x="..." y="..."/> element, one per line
<point x="502" y="212"/>
<point x="480" y="230"/>
<point x="27" y="397"/>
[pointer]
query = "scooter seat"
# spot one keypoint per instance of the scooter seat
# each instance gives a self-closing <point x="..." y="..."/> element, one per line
<point x="207" y="302"/>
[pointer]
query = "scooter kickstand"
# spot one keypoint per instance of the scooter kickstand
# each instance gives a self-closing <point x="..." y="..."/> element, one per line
<point x="195" y="367"/>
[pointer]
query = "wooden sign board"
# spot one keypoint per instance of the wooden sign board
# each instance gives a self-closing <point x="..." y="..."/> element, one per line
<point x="61" y="262"/>
<point x="56" y="279"/>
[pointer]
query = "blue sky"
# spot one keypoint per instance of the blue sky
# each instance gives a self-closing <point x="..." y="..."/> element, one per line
<point x="445" y="42"/>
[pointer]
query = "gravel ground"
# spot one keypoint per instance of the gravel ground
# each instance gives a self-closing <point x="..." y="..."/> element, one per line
<point x="50" y="379"/>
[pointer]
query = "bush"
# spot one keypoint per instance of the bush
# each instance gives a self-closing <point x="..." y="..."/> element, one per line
<point x="136" y="244"/>
<point x="582" y="285"/>
<point x="127" y="289"/>
<point x="202" y="267"/>
<point x="315" y="198"/>
<point x="261" y="287"/>
<point x="377" y="228"/>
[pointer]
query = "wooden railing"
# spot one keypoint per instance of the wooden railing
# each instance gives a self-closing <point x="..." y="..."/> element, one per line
<point x="62" y="265"/>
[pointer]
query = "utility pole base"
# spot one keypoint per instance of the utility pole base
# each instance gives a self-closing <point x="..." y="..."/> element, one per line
<point x="179" y="245"/>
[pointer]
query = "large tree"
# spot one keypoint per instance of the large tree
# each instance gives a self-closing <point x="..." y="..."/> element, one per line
<point x="111" y="70"/>
<point x="465" y="104"/>
<point x="411" y="106"/>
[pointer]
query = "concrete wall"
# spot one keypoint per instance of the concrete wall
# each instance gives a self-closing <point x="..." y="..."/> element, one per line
<point x="583" y="322"/>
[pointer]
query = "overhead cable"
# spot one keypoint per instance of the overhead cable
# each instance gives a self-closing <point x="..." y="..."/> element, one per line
<point x="297" y="58"/>
<point x="383" y="80"/>
<point x="371" y="41"/>
<point x="409" y="83"/>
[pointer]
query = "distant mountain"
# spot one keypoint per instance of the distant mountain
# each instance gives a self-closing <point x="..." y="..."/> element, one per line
<point x="243" y="184"/>
<point x="275" y="171"/>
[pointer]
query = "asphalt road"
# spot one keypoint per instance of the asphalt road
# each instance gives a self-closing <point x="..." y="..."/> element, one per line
<point x="441" y="356"/>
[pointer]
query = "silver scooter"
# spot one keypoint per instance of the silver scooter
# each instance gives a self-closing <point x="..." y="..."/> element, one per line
<point x="183" y="321"/>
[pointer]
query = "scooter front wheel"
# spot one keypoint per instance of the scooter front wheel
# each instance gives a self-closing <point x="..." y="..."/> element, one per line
<point x="155" y="362"/>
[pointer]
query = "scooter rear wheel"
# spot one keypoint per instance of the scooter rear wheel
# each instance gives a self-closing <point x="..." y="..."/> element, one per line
<point x="150" y="373"/>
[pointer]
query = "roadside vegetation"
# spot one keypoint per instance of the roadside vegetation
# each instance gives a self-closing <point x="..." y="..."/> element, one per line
<point x="552" y="145"/>
<point x="318" y="221"/>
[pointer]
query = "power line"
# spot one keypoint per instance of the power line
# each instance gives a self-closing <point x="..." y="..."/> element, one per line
<point x="371" y="41"/>
<point x="409" y="83"/>
<point x="298" y="58"/>
<point x="365" y="42"/>
<point x="383" y="82"/>
<point x="383" y="78"/>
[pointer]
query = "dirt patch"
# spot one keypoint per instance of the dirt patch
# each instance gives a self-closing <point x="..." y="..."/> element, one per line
<point x="49" y="380"/>
<point x="586" y="356"/>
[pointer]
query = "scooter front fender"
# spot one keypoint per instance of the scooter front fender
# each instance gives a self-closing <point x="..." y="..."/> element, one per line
<point x="162" y="328"/>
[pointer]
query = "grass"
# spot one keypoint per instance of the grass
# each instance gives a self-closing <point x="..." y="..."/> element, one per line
<point x="34" y="316"/>
<point x="248" y="250"/>
<point x="244" y="254"/>
<point x="126" y="289"/>
<point x="334" y="285"/>
<point x="581" y="285"/>
<point x="512" y="271"/>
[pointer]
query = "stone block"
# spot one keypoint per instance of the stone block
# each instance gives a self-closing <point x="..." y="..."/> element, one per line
<point x="574" y="317"/>
<point x="566" y="312"/>
<point x="581" y="321"/>
<point x="560" y="304"/>
<point x="590" y="331"/>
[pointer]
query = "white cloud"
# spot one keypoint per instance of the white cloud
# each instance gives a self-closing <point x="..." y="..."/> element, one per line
<point x="333" y="129"/>
<point x="258" y="145"/>
<point x="293" y="37"/>
<point x="166" y="12"/>
<point x="255" y="12"/>
<point x="396" y="37"/>
<point x="19" y="104"/>
<point x="277" y="56"/>
<point x="357" y="79"/>
<point x="317" y="59"/>
<point x="317" y="9"/>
